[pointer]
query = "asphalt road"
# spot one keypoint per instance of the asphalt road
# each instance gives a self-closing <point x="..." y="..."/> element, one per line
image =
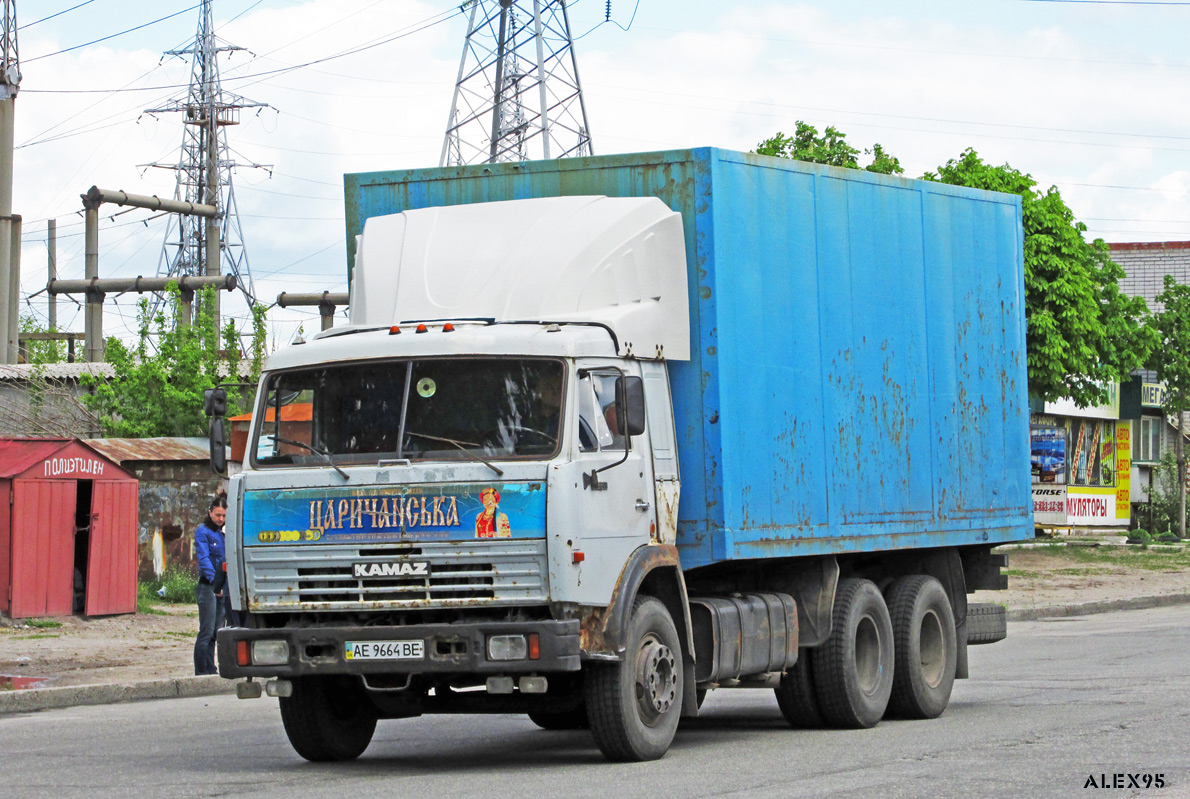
<point x="1058" y="703"/>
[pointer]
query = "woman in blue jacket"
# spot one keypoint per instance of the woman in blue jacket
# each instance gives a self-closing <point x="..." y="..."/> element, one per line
<point x="212" y="576"/>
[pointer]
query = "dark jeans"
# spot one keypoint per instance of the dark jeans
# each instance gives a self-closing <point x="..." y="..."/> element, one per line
<point x="210" y="619"/>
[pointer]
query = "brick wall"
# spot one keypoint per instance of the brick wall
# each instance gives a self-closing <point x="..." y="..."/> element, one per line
<point x="1146" y="264"/>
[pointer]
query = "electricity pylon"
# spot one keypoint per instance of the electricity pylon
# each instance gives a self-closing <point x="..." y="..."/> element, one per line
<point x="518" y="95"/>
<point x="205" y="167"/>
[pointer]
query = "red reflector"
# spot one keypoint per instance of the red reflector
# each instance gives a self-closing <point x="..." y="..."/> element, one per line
<point x="421" y="329"/>
<point x="242" y="653"/>
<point x="534" y="646"/>
<point x="579" y="557"/>
<point x="448" y="328"/>
<point x="394" y="330"/>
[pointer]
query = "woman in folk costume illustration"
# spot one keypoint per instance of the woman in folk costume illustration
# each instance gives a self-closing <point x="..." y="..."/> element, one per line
<point x="491" y="523"/>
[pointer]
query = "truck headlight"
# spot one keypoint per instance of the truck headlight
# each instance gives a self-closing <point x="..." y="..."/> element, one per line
<point x="270" y="653"/>
<point x="508" y="647"/>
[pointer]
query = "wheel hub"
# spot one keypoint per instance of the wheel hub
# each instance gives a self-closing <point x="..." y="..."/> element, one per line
<point x="656" y="679"/>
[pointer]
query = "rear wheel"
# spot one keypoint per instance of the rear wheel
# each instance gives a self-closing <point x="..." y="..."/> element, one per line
<point x="633" y="706"/>
<point x="986" y="623"/>
<point x="853" y="670"/>
<point x="796" y="696"/>
<point x="926" y="647"/>
<point x="328" y="718"/>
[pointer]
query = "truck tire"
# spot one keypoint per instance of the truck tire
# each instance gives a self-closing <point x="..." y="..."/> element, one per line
<point x="796" y="695"/>
<point x="575" y="719"/>
<point x="986" y="623"/>
<point x="633" y="706"/>
<point x="328" y="718"/>
<point x="853" y="670"/>
<point x="926" y="647"/>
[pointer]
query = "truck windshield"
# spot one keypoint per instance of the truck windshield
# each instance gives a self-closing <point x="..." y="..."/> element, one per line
<point x="422" y="409"/>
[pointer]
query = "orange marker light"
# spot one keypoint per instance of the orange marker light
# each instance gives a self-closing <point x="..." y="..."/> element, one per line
<point x="578" y="556"/>
<point x="394" y="330"/>
<point x="242" y="654"/>
<point x="448" y="328"/>
<point x="421" y="329"/>
<point x="534" y="646"/>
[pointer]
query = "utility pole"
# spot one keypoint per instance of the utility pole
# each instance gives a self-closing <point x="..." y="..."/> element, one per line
<point x="51" y="246"/>
<point x="195" y="245"/>
<point x="10" y="81"/>
<point x="517" y="96"/>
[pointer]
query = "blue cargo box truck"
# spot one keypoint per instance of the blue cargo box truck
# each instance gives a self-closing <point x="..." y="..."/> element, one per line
<point x="605" y="433"/>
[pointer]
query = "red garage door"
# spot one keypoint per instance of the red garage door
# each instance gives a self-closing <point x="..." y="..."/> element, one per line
<point x="111" y="560"/>
<point x="43" y="547"/>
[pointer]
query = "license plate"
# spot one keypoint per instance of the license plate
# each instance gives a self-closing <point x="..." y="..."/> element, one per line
<point x="385" y="650"/>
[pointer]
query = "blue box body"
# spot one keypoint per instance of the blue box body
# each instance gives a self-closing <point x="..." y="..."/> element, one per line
<point x="858" y="380"/>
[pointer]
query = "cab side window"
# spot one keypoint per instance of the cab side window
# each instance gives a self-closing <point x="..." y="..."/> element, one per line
<point x="597" y="411"/>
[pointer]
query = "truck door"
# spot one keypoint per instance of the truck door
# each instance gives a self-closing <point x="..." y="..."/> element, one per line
<point x="596" y="520"/>
<point x="659" y="409"/>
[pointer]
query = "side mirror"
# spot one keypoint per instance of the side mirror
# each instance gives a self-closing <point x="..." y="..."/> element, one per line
<point x="214" y="402"/>
<point x="630" y="405"/>
<point x="218" y="438"/>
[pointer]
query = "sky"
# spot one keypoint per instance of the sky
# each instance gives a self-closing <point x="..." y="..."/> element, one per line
<point x="1090" y="96"/>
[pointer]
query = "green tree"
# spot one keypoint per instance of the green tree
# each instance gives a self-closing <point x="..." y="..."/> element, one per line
<point x="1171" y="361"/>
<point x="161" y="393"/>
<point x="831" y="148"/>
<point x="41" y="352"/>
<point x="1082" y="332"/>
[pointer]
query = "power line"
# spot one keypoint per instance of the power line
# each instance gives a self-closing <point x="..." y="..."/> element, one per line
<point x="58" y="14"/>
<point x="112" y="36"/>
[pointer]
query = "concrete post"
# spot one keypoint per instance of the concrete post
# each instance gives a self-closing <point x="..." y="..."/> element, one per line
<point x="93" y="313"/>
<point x="51" y="243"/>
<point x="14" y="291"/>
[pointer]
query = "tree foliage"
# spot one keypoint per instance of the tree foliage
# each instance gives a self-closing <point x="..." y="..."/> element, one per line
<point x="41" y="352"/>
<point x="1171" y="360"/>
<point x="831" y="148"/>
<point x="1082" y="331"/>
<point x="160" y="393"/>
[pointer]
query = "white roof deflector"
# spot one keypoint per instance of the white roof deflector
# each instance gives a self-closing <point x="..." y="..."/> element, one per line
<point x="618" y="261"/>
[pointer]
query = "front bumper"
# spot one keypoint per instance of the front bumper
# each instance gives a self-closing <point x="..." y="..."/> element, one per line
<point x="449" y="649"/>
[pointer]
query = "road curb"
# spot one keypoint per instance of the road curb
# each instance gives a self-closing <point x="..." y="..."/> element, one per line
<point x="1103" y="606"/>
<point x="33" y="699"/>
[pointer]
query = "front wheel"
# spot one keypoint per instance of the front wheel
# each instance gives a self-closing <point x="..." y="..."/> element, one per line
<point x="633" y="706"/>
<point x="328" y="718"/>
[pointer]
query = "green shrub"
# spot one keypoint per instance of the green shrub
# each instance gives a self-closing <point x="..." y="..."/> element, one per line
<point x="1168" y="537"/>
<point x="1140" y="536"/>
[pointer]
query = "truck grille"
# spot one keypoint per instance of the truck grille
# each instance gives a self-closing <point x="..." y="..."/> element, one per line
<point x="459" y="573"/>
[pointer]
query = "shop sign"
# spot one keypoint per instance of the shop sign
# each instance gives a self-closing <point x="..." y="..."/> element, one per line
<point x="1108" y="410"/>
<point x="1153" y="395"/>
<point x="1049" y="504"/>
<point x="1091" y="507"/>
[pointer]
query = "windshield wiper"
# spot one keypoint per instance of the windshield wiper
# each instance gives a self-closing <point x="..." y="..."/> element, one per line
<point x="461" y="445"/>
<point x="316" y="451"/>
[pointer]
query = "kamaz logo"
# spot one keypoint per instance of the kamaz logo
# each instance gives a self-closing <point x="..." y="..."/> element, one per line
<point x="403" y="569"/>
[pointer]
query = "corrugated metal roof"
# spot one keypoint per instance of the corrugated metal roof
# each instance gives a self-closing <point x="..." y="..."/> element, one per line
<point x="123" y="450"/>
<point x="56" y="371"/>
<point x="297" y="412"/>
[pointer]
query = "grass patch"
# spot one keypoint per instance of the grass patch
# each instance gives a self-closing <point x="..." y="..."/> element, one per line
<point x="178" y="585"/>
<point x="1127" y="557"/>
<point x="45" y="624"/>
<point x="34" y="637"/>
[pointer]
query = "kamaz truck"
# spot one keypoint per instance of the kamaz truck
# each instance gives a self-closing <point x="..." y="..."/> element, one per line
<point x="605" y="433"/>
